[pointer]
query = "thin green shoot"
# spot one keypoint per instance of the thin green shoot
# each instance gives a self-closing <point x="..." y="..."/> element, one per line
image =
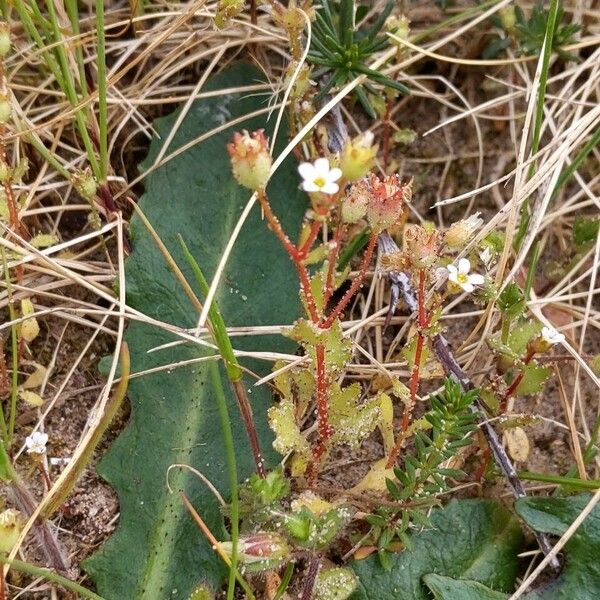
<point x="102" y="106"/>
<point x="15" y="358"/>
<point x="234" y="515"/>
<point x="24" y="567"/>
<point x="219" y="330"/>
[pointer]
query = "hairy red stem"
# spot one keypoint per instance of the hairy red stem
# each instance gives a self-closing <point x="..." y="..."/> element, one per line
<point x="293" y="252"/>
<point x="358" y="280"/>
<point x="515" y="384"/>
<point x="310" y="240"/>
<point x="333" y="256"/>
<point x="324" y="429"/>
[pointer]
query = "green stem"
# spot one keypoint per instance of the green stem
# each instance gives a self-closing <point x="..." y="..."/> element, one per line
<point x="576" y="162"/>
<point x="24" y="567"/>
<point x="586" y="484"/>
<point x="73" y="12"/>
<point x="232" y="366"/>
<point x="219" y="332"/>
<point x="9" y="431"/>
<point x="102" y="106"/>
<point x="232" y="468"/>
<point x="68" y="87"/>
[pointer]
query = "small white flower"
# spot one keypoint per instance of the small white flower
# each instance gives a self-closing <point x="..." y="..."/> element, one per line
<point x="36" y="443"/>
<point x="460" y="275"/>
<point x="318" y="177"/>
<point x="551" y="336"/>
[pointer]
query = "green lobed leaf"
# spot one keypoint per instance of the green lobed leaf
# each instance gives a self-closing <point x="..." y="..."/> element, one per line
<point x="157" y="551"/>
<point x="470" y="539"/>
<point x="580" y="577"/>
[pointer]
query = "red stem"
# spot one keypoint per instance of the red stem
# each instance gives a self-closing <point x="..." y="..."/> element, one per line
<point x="358" y="281"/>
<point x="333" y="255"/>
<point x="294" y="253"/>
<point x="515" y="384"/>
<point x="310" y="240"/>
<point x="324" y="429"/>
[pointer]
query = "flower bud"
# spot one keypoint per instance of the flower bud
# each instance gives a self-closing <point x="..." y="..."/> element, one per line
<point x="382" y="201"/>
<point x="5" y="109"/>
<point x="260" y="551"/>
<point x="85" y="184"/>
<point x="358" y="157"/>
<point x="460" y="233"/>
<point x="227" y="10"/>
<point x="421" y="247"/>
<point x="4" y="39"/>
<point x="250" y="159"/>
<point x="508" y="18"/>
<point x="10" y="529"/>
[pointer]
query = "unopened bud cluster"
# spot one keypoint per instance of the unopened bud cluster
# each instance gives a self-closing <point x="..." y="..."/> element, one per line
<point x="381" y="201"/>
<point x="250" y="159"/>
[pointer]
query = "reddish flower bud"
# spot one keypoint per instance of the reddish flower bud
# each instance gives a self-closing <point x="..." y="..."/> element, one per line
<point x="382" y="200"/>
<point x="250" y="159"/>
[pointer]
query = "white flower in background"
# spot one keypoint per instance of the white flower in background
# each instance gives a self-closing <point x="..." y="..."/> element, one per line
<point x="318" y="177"/>
<point x="36" y="442"/>
<point x="551" y="336"/>
<point x="460" y="275"/>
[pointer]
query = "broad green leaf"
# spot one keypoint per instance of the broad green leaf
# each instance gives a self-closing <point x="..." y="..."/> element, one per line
<point x="157" y="551"/>
<point x="534" y="379"/>
<point x="446" y="588"/>
<point x="580" y="577"/>
<point x="469" y="539"/>
<point x="520" y="336"/>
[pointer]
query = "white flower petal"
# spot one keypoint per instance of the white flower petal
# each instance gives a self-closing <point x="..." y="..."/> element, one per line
<point x="464" y="266"/>
<point x="310" y="186"/>
<point x="322" y="167"/>
<point x="330" y="188"/>
<point x="334" y="174"/>
<point x="476" y="279"/>
<point x="551" y="336"/>
<point x="467" y="286"/>
<point x="451" y="269"/>
<point x="307" y="171"/>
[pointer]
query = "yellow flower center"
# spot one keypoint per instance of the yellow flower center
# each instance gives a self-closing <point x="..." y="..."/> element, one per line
<point x="319" y="182"/>
<point x="462" y="278"/>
